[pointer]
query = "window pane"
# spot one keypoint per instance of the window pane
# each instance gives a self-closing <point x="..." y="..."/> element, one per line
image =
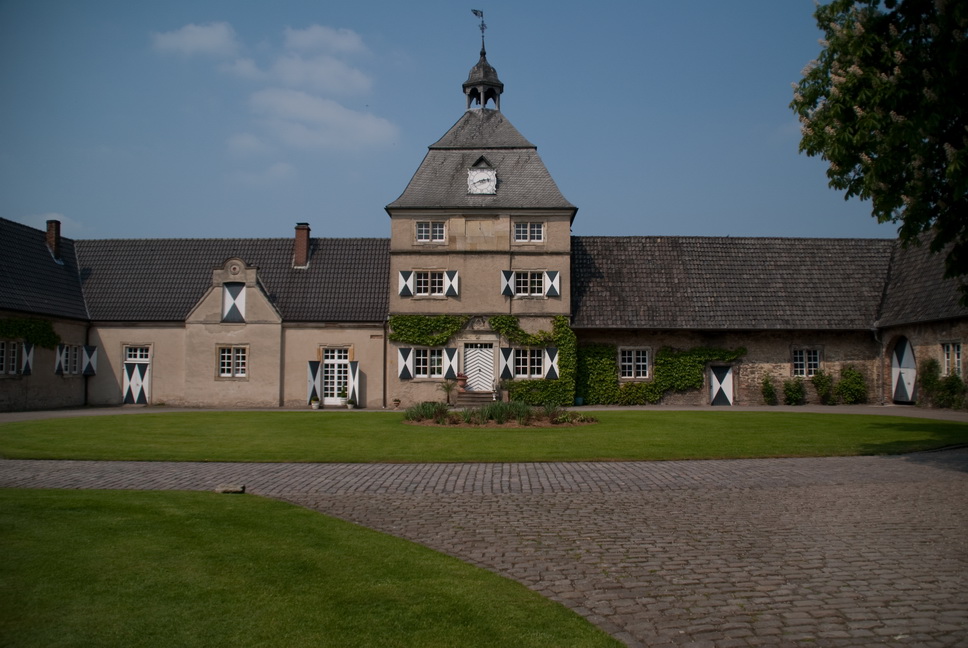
<point x="520" y="231"/>
<point x="225" y="361"/>
<point x="537" y="283"/>
<point x="436" y="283"/>
<point x="436" y="362"/>
<point x="241" y="361"/>
<point x="537" y="231"/>
<point x="438" y="232"/>
<point x="423" y="231"/>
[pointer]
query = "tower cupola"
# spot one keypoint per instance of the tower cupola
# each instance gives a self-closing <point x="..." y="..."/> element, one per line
<point x="482" y="84"/>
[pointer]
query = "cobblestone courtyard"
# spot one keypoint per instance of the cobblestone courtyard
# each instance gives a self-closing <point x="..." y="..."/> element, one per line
<point x="859" y="551"/>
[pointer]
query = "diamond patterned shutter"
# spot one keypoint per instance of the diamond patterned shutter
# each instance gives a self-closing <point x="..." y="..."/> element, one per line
<point x="233" y="302"/>
<point x="89" y="361"/>
<point x="507" y="283"/>
<point x="450" y="364"/>
<point x="451" y="283"/>
<point x="27" y="359"/>
<point x="405" y="364"/>
<point x="506" y="363"/>
<point x="60" y="359"/>
<point x="551" y="363"/>
<point x="313" y="381"/>
<point x="353" y="388"/>
<point x="137" y="383"/>
<point x="552" y="281"/>
<point x="721" y="385"/>
<point x="406" y="283"/>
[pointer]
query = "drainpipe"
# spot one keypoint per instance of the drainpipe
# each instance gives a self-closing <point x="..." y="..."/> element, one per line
<point x="386" y="368"/>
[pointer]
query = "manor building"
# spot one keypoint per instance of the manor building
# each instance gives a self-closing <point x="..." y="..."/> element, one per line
<point x="480" y="241"/>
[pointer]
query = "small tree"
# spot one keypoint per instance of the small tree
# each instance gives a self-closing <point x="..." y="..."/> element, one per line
<point x="823" y="383"/>
<point x="448" y="387"/>
<point x="794" y="391"/>
<point x="852" y="388"/>
<point x="769" y="390"/>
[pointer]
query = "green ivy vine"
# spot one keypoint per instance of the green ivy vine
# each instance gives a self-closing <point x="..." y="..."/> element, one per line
<point x="540" y="391"/>
<point x="35" y="331"/>
<point x="673" y="371"/>
<point x="426" y="330"/>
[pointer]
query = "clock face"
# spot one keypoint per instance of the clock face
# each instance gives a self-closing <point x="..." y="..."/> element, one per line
<point x="481" y="181"/>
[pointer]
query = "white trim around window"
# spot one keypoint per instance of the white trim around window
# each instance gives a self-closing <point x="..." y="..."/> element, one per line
<point x="633" y="363"/>
<point x="806" y="362"/>
<point x="233" y="362"/>
<point x="430" y="232"/>
<point x="951" y="358"/>
<point x="529" y="232"/>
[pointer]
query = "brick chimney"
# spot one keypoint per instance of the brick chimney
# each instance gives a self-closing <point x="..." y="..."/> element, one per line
<point x="300" y="256"/>
<point x="54" y="238"/>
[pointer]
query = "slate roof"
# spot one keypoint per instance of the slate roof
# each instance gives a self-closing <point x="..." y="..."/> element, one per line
<point x="162" y="279"/>
<point x="727" y="283"/>
<point x="917" y="290"/>
<point x="31" y="280"/>
<point x="441" y="179"/>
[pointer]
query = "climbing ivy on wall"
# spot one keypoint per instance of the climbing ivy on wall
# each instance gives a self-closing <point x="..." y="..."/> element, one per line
<point x="35" y="331"/>
<point x="425" y="330"/>
<point x="540" y="391"/>
<point x="673" y="371"/>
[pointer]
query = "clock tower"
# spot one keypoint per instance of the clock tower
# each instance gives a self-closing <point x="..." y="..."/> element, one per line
<point x="480" y="230"/>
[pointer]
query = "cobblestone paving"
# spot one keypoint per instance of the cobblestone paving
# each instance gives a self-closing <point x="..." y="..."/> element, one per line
<point x="866" y="551"/>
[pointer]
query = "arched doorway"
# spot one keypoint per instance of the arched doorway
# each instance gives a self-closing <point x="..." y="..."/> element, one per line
<point x="904" y="372"/>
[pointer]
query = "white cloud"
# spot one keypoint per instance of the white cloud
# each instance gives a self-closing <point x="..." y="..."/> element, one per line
<point x="323" y="73"/>
<point x="320" y="37"/>
<point x="244" y="68"/>
<point x="272" y="176"/>
<point x="245" y="144"/>
<point x="303" y="121"/>
<point x="214" y="38"/>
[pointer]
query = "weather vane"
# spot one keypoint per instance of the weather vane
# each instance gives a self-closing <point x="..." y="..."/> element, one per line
<point x="480" y="14"/>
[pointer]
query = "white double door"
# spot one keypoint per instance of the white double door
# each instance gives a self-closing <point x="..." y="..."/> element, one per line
<point x="479" y="366"/>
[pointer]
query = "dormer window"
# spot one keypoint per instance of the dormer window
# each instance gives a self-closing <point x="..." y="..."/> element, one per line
<point x="482" y="178"/>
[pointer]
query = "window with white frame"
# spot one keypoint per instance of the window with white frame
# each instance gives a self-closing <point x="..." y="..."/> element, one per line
<point x="428" y="283"/>
<point x="529" y="363"/>
<point x="528" y="232"/>
<point x="137" y="353"/>
<point x="336" y="373"/>
<point x="430" y="232"/>
<point x="951" y="354"/>
<point x="74" y="359"/>
<point x="529" y="283"/>
<point x="233" y="361"/>
<point x="428" y="363"/>
<point x="806" y="362"/>
<point x="8" y="357"/>
<point x="633" y="363"/>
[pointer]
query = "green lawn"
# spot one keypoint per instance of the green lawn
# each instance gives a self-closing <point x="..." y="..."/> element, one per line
<point x="384" y="437"/>
<point x="129" y="568"/>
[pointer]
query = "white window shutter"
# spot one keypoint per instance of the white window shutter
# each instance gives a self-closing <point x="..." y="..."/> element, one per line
<point x="450" y="364"/>
<point x="406" y="283"/>
<point x="506" y="362"/>
<point x="27" y="359"/>
<point x="89" y="361"/>
<point x="353" y="389"/>
<point x="233" y="302"/>
<point x="313" y="383"/>
<point x="451" y="284"/>
<point x="405" y="364"/>
<point x="551" y="363"/>
<point x="60" y="360"/>
<point x="507" y="283"/>
<point x="552" y="283"/>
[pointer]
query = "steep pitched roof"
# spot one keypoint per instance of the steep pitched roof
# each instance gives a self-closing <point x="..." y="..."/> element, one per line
<point x="162" y="279"/>
<point x="441" y="179"/>
<point x="727" y="283"/>
<point x="917" y="290"/>
<point x="31" y="280"/>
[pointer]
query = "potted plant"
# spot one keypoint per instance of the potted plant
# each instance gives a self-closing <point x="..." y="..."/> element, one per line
<point x="341" y="394"/>
<point x="314" y="402"/>
<point x="461" y="382"/>
<point x="350" y="403"/>
<point x="396" y="403"/>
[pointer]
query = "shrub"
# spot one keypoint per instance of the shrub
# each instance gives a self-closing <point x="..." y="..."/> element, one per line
<point x="426" y="410"/>
<point x="929" y="382"/>
<point x="951" y="392"/>
<point x="852" y="388"/>
<point x="769" y="391"/>
<point x="824" y="384"/>
<point x="794" y="391"/>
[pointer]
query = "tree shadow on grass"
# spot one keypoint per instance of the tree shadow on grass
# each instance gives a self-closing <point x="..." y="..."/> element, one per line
<point x="942" y="444"/>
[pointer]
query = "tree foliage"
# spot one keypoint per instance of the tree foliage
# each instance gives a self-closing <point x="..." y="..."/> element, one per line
<point x="885" y="104"/>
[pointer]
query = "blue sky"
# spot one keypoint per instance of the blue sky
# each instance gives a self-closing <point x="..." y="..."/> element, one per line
<point x="211" y="118"/>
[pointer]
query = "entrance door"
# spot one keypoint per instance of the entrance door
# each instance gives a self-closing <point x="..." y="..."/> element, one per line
<point x="904" y="372"/>
<point x="336" y="376"/>
<point x="136" y="382"/>
<point x="479" y="366"/>
<point x="720" y="385"/>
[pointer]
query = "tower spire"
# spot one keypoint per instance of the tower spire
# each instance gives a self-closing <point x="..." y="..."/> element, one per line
<point x="482" y="83"/>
